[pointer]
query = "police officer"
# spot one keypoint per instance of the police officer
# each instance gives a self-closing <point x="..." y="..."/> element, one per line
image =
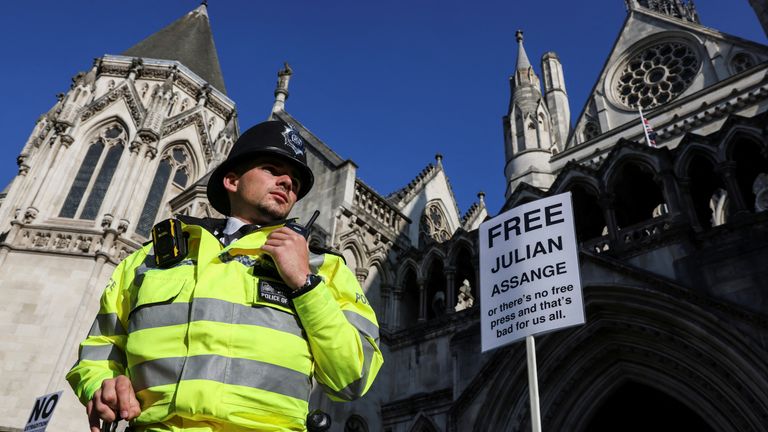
<point x="227" y="333"/>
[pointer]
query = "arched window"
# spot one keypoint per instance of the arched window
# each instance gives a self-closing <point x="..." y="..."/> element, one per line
<point x="588" y="214"/>
<point x="433" y="225"/>
<point x="708" y="192"/>
<point x="519" y="132"/>
<point x="409" y="307"/>
<point x="96" y="160"/>
<point x="638" y="196"/>
<point x="174" y="164"/>
<point x="436" y="290"/>
<point x="751" y="163"/>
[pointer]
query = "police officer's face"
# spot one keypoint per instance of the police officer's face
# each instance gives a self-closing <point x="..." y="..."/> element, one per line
<point x="265" y="192"/>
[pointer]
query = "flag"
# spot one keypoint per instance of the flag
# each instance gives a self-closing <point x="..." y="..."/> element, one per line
<point x="650" y="134"/>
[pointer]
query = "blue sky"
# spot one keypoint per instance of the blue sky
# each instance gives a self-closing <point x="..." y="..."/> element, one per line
<point x="386" y="84"/>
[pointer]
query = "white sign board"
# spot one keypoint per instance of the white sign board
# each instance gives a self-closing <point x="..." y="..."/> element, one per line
<point x="529" y="272"/>
<point x="42" y="412"/>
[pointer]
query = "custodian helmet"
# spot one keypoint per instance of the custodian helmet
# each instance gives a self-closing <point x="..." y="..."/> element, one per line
<point x="273" y="138"/>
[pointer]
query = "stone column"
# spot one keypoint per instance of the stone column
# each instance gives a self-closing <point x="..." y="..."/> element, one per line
<point x="386" y="307"/>
<point x="736" y="200"/>
<point x="606" y="201"/>
<point x="450" y="288"/>
<point x="688" y="205"/>
<point x="397" y="300"/>
<point x="361" y="273"/>
<point x="670" y="191"/>
<point x="422" y="300"/>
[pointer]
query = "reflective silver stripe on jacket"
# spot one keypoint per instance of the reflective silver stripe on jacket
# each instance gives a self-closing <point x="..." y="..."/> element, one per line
<point x="208" y="309"/>
<point x="102" y="352"/>
<point x="365" y="328"/>
<point x="226" y="370"/>
<point x="106" y="325"/>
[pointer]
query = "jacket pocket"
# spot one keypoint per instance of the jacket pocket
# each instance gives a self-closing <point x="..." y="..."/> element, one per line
<point x="156" y="290"/>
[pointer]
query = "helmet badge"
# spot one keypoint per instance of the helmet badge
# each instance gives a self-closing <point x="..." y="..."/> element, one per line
<point x="293" y="140"/>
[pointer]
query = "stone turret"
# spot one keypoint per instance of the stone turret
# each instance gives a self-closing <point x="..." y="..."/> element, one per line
<point x="557" y="98"/>
<point x="528" y="126"/>
<point x="281" y="90"/>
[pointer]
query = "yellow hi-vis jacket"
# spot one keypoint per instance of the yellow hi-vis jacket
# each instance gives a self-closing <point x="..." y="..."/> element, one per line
<point x="207" y="342"/>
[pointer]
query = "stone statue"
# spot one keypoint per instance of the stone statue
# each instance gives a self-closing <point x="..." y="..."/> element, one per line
<point x="466" y="300"/>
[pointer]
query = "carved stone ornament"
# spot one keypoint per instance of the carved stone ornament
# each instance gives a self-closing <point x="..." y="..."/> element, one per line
<point x="123" y="225"/>
<point x="84" y="244"/>
<point x="66" y="140"/>
<point x="106" y="222"/>
<point x="123" y="92"/>
<point x="41" y="239"/>
<point x="29" y="215"/>
<point x="202" y="131"/>
<point x="135" y="146"/>
<point x="62" y="241"/>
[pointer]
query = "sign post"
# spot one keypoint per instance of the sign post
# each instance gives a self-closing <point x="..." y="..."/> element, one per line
<point x="529" y="278"/>
<point x="42" y="412"/>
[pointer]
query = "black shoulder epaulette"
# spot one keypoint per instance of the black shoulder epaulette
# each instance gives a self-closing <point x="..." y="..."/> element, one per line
<point x="326" y="250"/>
<point x="210" y="224"/>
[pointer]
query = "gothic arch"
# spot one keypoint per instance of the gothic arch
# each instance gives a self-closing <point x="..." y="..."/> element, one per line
<point x="636" y="188"/>
<point x="352" y="245"/>
<point x="196" y="164"/>
<point x="693" y="149"/>
<point x="635" y="333"/>
<point x="704" y="185"/>
<point x="433" y="269"/>
<point x="100" y="154"/>
<point x="407" y="305"/>
<point x="747" y="155"/>
<point x="588" y="213"/>
<point x="628" y="152"/>
<point x="405" y="265"/>
<point x="423" y="423"/>
<point x="457" y="246"/>
<point x="431" y="255"/>
<point x="736" y="135"/>
<point x="463" y="258"/>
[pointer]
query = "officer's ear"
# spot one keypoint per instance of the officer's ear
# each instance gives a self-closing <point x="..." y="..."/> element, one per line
<point x="231" y="180"/>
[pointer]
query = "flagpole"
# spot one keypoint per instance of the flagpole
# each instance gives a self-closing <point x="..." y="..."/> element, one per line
<point x="533" y="384"/>
<point x="642" y="124"/>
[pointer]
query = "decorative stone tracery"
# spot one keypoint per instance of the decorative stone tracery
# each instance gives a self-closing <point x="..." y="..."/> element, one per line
<point x="656" y="75"/>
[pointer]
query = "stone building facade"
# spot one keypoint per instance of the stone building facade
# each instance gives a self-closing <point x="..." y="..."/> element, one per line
<point x="673" y="237"/>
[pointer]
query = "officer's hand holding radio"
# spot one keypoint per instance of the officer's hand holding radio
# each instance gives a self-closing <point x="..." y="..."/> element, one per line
<point x="289" y="249"/>
<point x="290" y="252"/>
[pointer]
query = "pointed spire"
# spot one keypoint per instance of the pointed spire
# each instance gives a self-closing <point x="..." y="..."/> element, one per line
<point x="189" y="41"/>
<point x="522" y="57"/>
<point x="281" y="90"/>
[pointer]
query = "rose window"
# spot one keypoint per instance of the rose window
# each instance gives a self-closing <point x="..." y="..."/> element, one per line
<point x="657" y="75"/>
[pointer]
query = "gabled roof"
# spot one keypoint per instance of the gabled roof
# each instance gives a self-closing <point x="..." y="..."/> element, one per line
<point x="188" y="40"/>
<point x="656" y="28"/>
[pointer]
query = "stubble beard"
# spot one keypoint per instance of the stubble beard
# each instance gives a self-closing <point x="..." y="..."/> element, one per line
<point x="268" y="212"/>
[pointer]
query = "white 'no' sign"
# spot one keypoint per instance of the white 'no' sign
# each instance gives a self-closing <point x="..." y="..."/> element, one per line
<point x="42" y="412"/>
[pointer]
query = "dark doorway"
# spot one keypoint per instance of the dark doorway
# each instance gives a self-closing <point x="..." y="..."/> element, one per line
<point x="635" y="407"/>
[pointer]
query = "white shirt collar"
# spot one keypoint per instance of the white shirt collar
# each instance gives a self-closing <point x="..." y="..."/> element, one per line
<point x="233" y="224"/>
